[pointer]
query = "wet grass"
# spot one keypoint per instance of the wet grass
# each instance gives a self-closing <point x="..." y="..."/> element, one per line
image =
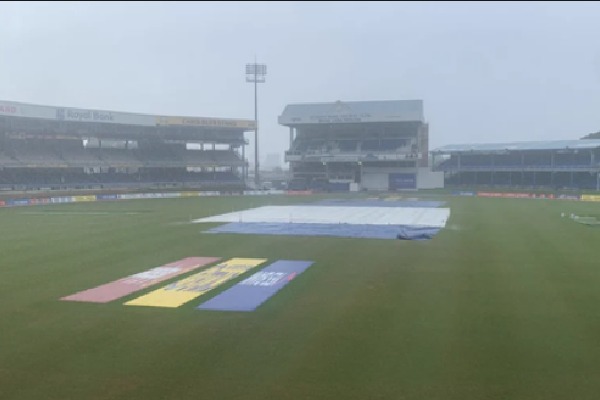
<point x="502" y="306"/>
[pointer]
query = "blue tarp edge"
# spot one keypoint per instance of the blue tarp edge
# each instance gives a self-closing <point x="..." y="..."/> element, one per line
<point x="404" y="232"/>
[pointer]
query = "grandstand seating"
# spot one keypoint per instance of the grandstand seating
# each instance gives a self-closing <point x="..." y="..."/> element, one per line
<point x="33" y="152"/>
<point x="117" y="156"/>
<point x="76" y="155"/>
<point x="558" y="169"/>
<point x="41" y="150"/>
<point x="58" y="163"/>
<point x="507" y="160"/>
<point x="526" y="161"/>
<point x="223" y="156"/>
<point x="5" y="159"/>
<point x="348" y="145"/>
<point x="58" y="177"/>
<point x="537" y="159"/>
<point x="579" y="159"/>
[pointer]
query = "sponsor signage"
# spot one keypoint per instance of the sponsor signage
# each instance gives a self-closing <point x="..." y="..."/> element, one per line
<point x="516" y="195"/>
<point x="84" y="198"/>
<point x="133" y="283"/>
<point x="180" y="292"/>
<point x="462" y="193"/>
<point x="402" y="181"/>
<point x="83" y="115"/>
<point x="206" y="122"/>
<point x="73" y="114"/>
<point x="345" y="118"/>
<point x="43" y="200"/>
<point x="18" y="202"/>
<point x="67" y="199"/>
<point x="590" y="197"/>
<point x="299" y="192"/>
<point x="568" y="197"/>
<point x="9" y="109"/>
<point x="250" y="293"/>
<point x="106" y="197"/>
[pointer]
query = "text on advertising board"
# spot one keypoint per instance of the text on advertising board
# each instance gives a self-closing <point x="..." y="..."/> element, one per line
<point x="83" y="115"/>
<point x="8" y="109"/>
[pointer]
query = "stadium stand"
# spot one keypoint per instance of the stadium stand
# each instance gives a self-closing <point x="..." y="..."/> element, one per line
<point x="370" y="145"/>
<point x="43" y="147"/>
<point x="561" y="164"/>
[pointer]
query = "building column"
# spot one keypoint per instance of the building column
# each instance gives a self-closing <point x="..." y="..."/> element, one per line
<point x="244" y="172"/>
<point x="291" y="137"/>
<point x="522" y="178"/>
<point x="493" y="170"/>
<point x="571" y="178"/>
<point x="523" y="169"/>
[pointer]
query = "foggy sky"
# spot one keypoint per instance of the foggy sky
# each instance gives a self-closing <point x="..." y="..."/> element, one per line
<point x="486" y="72"/>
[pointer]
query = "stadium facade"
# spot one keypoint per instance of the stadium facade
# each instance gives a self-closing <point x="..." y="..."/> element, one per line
<point x="45" y="147"/>
<point x="560" y="164"/>
<point x="368" y="145"/>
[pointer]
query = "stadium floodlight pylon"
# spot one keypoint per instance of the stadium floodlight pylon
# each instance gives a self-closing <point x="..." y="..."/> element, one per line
<point x="256" y="73"/>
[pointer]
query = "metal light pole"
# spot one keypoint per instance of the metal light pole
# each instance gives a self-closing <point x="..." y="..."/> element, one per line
<point x="256" y="73"/>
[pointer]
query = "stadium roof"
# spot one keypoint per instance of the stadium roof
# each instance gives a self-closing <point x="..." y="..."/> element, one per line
<point x="521" y="146"/>
<point x="25" y="110"/>
<point x="353" y="112"/>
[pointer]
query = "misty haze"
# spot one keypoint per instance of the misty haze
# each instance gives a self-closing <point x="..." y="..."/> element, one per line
<point x="299" y="200"/>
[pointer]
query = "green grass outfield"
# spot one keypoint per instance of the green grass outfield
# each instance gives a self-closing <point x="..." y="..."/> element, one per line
<point x="503" y="304"/>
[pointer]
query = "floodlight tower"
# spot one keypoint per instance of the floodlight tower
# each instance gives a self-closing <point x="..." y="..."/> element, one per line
<point x="256" y="73"/>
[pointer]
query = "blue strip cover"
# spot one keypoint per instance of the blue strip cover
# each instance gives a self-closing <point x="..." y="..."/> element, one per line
<point x="378" y="203"/>
<point x="366" y="231"/>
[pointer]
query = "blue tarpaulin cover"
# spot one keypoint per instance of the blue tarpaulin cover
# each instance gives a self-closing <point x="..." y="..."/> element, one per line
<point x="405" y="232"/>
<point x="379" y="203"/>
